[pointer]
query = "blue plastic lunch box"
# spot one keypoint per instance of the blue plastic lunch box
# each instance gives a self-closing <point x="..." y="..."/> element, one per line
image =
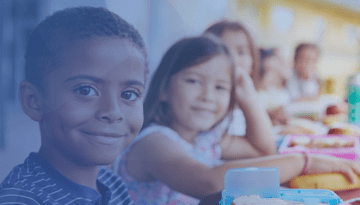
<point x="265" y="183"/>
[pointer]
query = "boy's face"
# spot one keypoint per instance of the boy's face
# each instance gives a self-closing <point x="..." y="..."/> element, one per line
<point x="92" y="106"/>
<point x="306" y="63"/>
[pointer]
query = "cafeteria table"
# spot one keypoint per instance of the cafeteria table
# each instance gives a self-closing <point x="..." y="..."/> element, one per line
<point x="317" y="126"/>
<point x="213" y="199"/>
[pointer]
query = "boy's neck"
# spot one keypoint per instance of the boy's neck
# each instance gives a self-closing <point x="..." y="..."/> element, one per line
<point x="80" y="174"/>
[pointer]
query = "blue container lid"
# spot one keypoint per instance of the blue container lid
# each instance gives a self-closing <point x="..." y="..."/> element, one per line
<point x="264" y="182"/>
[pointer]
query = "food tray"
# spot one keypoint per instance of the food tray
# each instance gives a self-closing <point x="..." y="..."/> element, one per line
<point x="264" y="182"/>
<point x="351" y="153"/>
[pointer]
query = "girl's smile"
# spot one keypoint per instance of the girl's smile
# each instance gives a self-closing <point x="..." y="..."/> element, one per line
<point x="199" y="96"/>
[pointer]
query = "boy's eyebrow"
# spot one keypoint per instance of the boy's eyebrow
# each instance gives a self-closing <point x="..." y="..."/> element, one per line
<point x="132" y="82"/>
<point x="100" y="81"/>
<point x="92" y="78"/>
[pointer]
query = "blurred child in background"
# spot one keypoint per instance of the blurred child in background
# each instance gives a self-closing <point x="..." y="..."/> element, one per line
<point x="304" y="83"/>
<point x="272" y="91"/>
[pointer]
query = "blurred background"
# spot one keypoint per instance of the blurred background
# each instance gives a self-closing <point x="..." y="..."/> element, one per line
<point x="332" y="24"/>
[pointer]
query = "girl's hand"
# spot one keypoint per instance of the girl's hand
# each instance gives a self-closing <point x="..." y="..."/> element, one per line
<point x="327" y="164"/>
<point x="277" y="116"/>
<point x="245" y="89"/>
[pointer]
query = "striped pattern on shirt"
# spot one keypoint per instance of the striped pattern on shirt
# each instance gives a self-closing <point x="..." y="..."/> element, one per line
<point x="36" y="182"/>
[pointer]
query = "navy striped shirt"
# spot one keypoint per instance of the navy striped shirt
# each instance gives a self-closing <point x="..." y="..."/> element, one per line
<point x="37" y="182"/>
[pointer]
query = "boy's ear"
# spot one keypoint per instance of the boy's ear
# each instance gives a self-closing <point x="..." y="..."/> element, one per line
<point x="30" y="99"/>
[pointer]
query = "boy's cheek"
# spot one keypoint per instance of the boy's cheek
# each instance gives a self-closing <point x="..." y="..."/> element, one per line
<point x="135" y="118"/>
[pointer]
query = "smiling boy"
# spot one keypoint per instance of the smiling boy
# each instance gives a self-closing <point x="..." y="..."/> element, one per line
<point x="85" y="73"/>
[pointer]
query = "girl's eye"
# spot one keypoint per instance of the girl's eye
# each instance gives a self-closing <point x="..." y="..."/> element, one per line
<point x="193" y="81"/>
<point x="219" y="87"/>
<point x="243" y="50"/>
<point x="86" y="90"/>
<point x="130" y="95"/>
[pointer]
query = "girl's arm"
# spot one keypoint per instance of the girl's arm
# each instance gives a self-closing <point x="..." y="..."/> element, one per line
<point x="157" y="157"/>
<point x="235" y="147"/>
<point x="258" y="123"/>
<point x="258" y="127"/>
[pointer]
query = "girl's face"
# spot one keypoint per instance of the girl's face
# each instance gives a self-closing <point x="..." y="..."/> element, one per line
<point x="306" y="63"/>
<point x="199" y="96"/>
<point x="239" y="47"/>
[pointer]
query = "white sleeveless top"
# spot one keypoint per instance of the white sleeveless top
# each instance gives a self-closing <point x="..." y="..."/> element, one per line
<point x="206" y="150"/>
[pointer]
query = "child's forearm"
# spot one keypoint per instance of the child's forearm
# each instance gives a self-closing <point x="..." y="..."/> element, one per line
<point x="309" y="98"/>
<point x="259" y="128"/>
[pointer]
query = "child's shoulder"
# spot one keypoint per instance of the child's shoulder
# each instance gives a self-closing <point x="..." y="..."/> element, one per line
<point x="158" y="130"/>
<point x="23" y="174"/>
<point x="35" y="182"/>
<point x="24" y="183"/>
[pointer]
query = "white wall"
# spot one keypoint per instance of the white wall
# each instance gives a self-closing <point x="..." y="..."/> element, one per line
<point x="176" y="19"/>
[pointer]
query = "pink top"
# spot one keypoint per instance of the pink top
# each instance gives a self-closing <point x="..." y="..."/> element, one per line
<point x="206" y="150"/>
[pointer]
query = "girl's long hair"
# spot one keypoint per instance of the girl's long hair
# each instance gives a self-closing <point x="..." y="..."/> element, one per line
<point x="185" y="53"/>
<point x="219" y="28"/>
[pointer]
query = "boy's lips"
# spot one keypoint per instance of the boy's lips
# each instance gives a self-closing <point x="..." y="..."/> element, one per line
<point x="104" y="137"/>
<point x="105" y="134"/>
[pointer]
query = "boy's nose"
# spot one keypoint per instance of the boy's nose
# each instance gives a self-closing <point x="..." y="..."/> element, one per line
<point x="110" y="110"/>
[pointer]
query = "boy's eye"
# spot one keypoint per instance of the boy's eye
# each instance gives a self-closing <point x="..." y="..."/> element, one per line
<point x="130" y="95"/>
<point x="87" y="91"/>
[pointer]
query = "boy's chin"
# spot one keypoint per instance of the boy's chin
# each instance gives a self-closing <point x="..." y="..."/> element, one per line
<point x="105" y="162"/>
<point x="103" y="159"/>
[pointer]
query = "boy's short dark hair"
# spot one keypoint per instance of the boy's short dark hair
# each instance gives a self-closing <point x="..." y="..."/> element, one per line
<point x="302" y="46"/>
<point x="60" y="30"/>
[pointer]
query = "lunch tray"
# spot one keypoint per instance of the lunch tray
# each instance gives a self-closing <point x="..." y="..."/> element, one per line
<point x="264" y="182"/>
<point x="351" y="153"/>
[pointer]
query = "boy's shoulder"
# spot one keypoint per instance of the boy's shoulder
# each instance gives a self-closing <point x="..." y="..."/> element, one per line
<point x="25" y="183"/>
<point x="34" y="183"/>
